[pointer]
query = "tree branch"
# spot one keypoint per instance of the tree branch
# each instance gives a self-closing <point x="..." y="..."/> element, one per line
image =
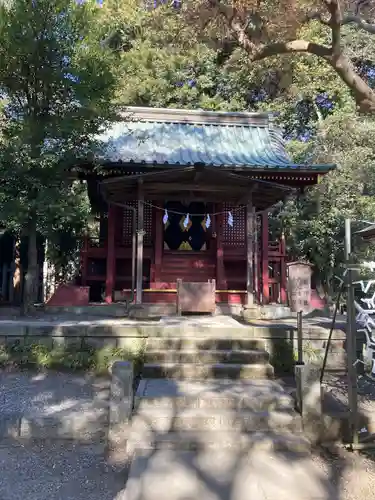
<point x="361" y="23"/>
<point x="364" y="95"/>
<point x="292" y="47"/>
<point x="334" y="23"/>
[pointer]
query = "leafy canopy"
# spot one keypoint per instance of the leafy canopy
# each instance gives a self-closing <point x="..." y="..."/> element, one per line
<point x="57" y="83"/>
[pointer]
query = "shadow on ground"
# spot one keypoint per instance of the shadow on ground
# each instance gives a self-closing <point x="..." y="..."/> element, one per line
<point x="39" y="413"/>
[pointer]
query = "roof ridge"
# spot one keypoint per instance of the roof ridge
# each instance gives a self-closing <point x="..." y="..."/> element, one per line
<point x="196" y="116"/>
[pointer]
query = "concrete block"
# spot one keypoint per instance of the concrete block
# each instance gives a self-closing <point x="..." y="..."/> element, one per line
<point x="271" y="312"/>
<point x="100" y="342"/>
<point x="79" y="427"/>
<point x="34" y="330"/>
<point x="46" y="341"/>
<point x="132" y="344"/>
<point x="66" y="342"/>
<point x="11" y="329"/>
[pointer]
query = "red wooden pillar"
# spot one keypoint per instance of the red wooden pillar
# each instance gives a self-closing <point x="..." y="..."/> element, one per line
<point x="256" y="256"/>
<point x="283" y="294"/>
<point x="84" y="257"/>
<point x="140" y="234"/>
<point x="250" y="254"/>
<point x="265" y="271"/>
<point x="159" y="238"/>
<point x="111" y="255"/>
<point x="220" y="269"/>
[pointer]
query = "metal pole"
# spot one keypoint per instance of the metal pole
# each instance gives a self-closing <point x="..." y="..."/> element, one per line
<point x="331" y="332"/>
<point x="351" y="339"/>
<point x="134" y="249"/>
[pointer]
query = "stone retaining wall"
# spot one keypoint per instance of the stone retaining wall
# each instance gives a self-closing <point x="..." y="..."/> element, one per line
<point x="280" y="339"/>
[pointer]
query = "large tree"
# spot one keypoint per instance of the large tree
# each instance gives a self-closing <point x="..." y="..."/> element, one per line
<point x="57" y="83"/>
<point x="264" y="29"/>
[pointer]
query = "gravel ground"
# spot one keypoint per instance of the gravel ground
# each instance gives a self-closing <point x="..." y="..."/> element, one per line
<point x="63" y="471"/>
<point x="59" y="471"/>
<point x="351" y="474"/>
<point x="337" y="386"/>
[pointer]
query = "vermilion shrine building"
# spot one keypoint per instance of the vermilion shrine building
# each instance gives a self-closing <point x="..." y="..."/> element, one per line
<point x="187" y="196"/>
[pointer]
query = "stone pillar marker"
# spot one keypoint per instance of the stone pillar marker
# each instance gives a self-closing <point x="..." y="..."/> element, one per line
<point x="309" y="400"/>
<point x="121" y="401"/>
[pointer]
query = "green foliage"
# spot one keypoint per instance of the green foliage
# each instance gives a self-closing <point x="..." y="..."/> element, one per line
<point x="57" y="81"/>
<point x="284" y="355"/>
<point x="314" y="223"/>
<point x="71" y="357"/>
<point x="126" y="54"/>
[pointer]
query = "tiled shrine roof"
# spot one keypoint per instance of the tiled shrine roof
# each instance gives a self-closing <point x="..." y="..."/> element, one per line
<point x="153" y="136"/>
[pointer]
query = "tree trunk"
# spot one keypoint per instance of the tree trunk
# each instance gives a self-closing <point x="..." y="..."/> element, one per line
<point x="364" y="95"/>
<point x="17" y="274"/>
<point x="30" y="295"/>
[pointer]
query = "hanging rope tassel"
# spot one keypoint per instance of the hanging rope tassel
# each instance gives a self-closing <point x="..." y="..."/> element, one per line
<point x="165" y="217"/>
<point x="186" y="221"/>
<point x="230" y="219"/>
<point x="208" y="221"/>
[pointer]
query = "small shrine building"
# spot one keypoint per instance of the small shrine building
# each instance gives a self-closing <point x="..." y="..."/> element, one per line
<point x="187" y="196"/>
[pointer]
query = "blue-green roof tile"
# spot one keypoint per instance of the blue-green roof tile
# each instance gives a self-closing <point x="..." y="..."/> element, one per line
<point x="181" y="137"/>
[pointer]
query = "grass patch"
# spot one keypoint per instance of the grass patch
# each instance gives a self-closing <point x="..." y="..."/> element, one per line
<point x="72" y="357"/>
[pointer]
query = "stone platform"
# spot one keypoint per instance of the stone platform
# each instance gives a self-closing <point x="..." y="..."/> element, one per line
<point x="87" y="325"/>
<point x="278" y="338"/>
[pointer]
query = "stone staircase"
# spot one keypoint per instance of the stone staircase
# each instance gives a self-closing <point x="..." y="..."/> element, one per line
<point x="197" y="358"/>
<point x="211" y="390"/>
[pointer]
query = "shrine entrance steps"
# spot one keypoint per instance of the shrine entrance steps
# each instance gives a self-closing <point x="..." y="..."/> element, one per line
<point x="206" y="395"/>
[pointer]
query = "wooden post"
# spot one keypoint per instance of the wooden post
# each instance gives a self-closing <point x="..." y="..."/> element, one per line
<point x="256" y="256"/>
<point x="159" y="237"/>
<point x="140" y="233"/>
<point x="85" y="252"/>
<point x="4" y="292"/>
<point x="250" y="254"/>
<point x="265" y="271"/>
<point x="283" y="294"/>
<point x="11" y="274"/>
<point x="111" y="255"/>
<point x="220" y="269"/>
<point x="46" y="287"/>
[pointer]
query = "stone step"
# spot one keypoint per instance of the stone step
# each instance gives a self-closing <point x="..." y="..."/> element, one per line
<point x="261" y="403"/>
<point x="203" y="371"/>
<point x="259" y="395"/>
<point x="249" y="357"/>
<point x="194" y="343"/>
<point x="219" y="440"/>
<point x="161" y="421"/>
